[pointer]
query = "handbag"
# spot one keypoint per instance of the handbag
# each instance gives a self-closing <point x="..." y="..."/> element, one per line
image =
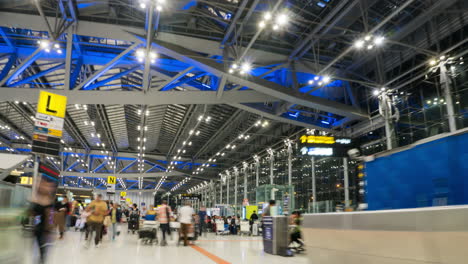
<point x="107" y="221"/>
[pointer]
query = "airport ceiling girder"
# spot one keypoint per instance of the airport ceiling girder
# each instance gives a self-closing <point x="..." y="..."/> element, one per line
<point x="125" y="33"/>
<point x="284" y="93"/>
<point x="137" y="97"/>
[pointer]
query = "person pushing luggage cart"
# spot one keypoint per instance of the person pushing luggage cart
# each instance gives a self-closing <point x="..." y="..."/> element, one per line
<point x="134" y="219"/>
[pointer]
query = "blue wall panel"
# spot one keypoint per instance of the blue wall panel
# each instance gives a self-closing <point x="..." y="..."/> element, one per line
<point x="431" y="174"/>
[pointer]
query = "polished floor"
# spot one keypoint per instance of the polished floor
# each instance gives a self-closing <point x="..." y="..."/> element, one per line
<point x="128" y="249"/>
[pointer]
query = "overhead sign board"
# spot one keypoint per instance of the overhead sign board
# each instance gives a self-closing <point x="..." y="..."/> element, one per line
<point x="328" y="146"/>
<point x="48" y="126"/>
<point x="52" y="104"/>
<point x="123" y="194"/>
<point x="111" y="180"/>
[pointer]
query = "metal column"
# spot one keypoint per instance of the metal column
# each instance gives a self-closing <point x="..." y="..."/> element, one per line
<point x="257" y="170"/>
<point x="346" y="182"/>
<point x="289" y="163"/>
<point x="221" y="192"/>
<point x="236" y="175"/>
<point x="245" y="181"/>
<point x="314" y="190"/>
<point x="445" y="82"/>
<point x="272" y="157"/>
<point x="228" y="187"/>
<point x="385" y="111"/>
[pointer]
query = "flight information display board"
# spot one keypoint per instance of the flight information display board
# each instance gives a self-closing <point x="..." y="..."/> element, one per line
<point x="324" y="146"/>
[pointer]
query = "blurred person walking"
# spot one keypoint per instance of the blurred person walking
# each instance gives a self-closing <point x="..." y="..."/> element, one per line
<point x="115" y="215"/>
<point x="96" y="219"/>
<point x="42" y="211"/>
<point x="62" y="209"/>
<point x="164" y="216"/>
<point x="186" y="214"/>
<point x="202" y="220"/>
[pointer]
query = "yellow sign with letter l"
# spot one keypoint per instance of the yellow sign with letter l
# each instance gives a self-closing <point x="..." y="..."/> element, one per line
<point x="52" y="104"/>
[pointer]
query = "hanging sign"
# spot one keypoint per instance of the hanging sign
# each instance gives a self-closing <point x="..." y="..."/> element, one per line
<point x="328" y="146"/>
<point x="48" y="126"/>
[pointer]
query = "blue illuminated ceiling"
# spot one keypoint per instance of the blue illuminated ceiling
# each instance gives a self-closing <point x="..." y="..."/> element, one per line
<point x="196" y="44"/>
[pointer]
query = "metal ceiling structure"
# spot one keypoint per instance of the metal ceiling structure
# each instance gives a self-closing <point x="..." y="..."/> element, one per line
<point x="168" y="115"/>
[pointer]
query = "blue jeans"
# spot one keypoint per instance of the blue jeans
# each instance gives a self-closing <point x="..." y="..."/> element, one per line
<point x="114" y="230"/>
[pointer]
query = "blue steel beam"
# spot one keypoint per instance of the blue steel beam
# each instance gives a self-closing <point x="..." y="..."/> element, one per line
<point x="72" y="166"/>
<point x="100" y="166"/>
<point x="20" y="69"/>
<point x="35" y="76"/>
<point x="106" y="67"/>
<point x="128" y="166"/>
<point x="186" y="80"/>
<point x="76" y="72"/>
<point x="112" y="78"/>
<point x="6" y="69"/>
<point x="6" y="39"/>
<point x="174" y="79"/>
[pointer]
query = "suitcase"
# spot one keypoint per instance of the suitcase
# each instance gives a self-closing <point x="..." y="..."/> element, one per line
<point x="254" y="229"/>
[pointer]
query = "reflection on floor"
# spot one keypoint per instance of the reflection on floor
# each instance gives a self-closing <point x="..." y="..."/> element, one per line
<point x="128" y="249"/>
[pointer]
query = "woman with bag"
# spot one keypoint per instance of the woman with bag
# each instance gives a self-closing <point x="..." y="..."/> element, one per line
<point x="114" y="218"/>
<point x="164" y="216"/>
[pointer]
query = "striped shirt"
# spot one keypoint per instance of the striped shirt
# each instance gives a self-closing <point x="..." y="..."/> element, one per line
<point x="163" y="217"/>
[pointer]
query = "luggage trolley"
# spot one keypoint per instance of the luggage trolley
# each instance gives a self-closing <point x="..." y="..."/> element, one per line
<point x="244" y="227"/>
<point x="148" y="234"/>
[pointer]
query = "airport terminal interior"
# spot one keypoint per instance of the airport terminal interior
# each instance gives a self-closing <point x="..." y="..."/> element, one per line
<point x="234" y="131"/>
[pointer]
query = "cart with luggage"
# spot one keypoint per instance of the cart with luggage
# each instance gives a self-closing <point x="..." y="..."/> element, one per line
<point x="148" y="234"/>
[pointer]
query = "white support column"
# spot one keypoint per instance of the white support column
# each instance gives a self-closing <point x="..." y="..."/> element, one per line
<point x="385" y="109"/>
<point x="289" y="146"/>
<point x="346" y="182"/>
<point x="314" y="190"/>
<point x="272" y="159"/>
<point x="236" y="176"/>
<point x="245" y="165"/>
<point x="221" y="192"/>
<point x="445" y="83"/>
<point x="228" y="187"/>
<point x="257" y="169"/>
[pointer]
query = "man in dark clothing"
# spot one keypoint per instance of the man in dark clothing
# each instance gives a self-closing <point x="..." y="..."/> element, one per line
<point x="202" y="217"/>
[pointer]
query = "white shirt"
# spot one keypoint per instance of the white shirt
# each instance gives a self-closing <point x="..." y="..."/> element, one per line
<point x="185" y="214"/>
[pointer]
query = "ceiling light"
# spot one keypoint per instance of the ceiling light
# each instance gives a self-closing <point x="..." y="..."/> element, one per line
<point x="267" y="16"/>
<point x="326" y="79"/>
<point x="359" y="44"/>
<point x="432" y="62"/>
<point x="367" y="38"/>
<point x="369" y="47"/>
<point x="379" y="40"/>
<point x="275" y="27"/>
<point x="311" y="82"/>
<point x="234" y="66"/>
<point x="246" y="67"/>
<point x="375" y="92"/>
<point x="282" y="19"/>
<point x="262" y="24"/>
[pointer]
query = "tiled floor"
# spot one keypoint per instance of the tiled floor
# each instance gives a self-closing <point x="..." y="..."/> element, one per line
<point x="127" y="249"/>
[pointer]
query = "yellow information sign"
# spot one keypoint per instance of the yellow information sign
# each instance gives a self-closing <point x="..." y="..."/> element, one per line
<point x="317" y="139"/>
<point x="52" y="104"/>
<point x="26" y="180"/>
<point x="123" y="194"/>
<point x="55" y="133"/>
<point x="129" y="200"/>
<point x="111" y="180"/>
